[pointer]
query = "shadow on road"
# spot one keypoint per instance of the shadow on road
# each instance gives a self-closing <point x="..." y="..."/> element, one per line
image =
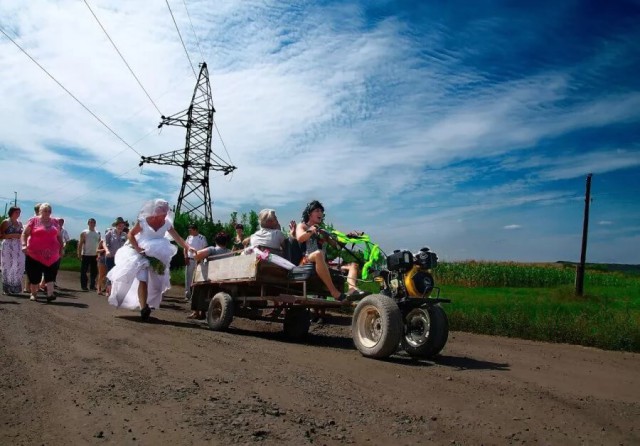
<point x="156" y="321"/>
<point x="459" y="363"/>
<point x="311" y="339"/>
<point x="466" y="363"/>
<point x="58" y="303"/>
<point x="172" y="306"/>
<point x="10" y="302"/>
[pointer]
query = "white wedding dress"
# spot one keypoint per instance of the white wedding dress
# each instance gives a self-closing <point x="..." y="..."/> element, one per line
<point x="124" y="284"/>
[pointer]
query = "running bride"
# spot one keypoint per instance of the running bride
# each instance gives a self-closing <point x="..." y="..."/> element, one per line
<point x="141" y="274"/>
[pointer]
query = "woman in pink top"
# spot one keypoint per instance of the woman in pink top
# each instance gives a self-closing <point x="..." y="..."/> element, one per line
<point x="43" y="246"/>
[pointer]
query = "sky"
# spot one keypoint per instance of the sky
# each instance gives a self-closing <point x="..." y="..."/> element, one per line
<point x="468" y="127"/>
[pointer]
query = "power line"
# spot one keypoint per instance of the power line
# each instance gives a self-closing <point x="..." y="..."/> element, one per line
<point x="92" y="172"/>
<point x="193" y="29"/>
<point x="180" y="35"/>
<point x="223" y="145"/>
<point x="122" y="57"/>
<point x="69" y="93"/>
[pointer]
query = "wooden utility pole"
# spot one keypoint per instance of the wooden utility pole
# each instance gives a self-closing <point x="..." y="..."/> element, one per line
<point x="585" y="230"/>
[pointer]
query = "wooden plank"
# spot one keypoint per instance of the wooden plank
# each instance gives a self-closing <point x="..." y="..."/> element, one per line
<point x="232" y="268"/>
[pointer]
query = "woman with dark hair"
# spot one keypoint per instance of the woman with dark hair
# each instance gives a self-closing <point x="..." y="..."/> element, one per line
<point x="43" y="246"/>
<point x="221" y="239"/>
<point x="239" y="240"/>
<point x="12" y="256"/>
<point x="308" y="232"/>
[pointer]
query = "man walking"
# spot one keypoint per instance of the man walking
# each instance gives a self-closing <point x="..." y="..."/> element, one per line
<point x="198" y="242"/>
<point x="87" y="252"/>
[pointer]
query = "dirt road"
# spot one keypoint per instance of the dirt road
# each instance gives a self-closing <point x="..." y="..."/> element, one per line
<point x="78" y="371"/>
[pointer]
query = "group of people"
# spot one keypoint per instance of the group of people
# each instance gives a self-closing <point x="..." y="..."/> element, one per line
<point x="97" y="254"/>
<point x="35" y="248"/>
<point x="132" y="266"/>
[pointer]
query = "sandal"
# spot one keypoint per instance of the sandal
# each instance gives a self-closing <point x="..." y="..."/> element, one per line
<point x="194" y="315"/>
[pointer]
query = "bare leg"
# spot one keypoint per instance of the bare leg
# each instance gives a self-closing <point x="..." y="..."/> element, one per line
<point x="49" y="289"/>
<point x="142" y="294"/>
<point x="352" y="275"/>
<point x="33" y="288"/>
<point x="322" y="269"/>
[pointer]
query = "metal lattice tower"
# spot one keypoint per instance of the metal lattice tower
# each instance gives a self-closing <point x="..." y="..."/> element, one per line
<point x="195" y="159"/>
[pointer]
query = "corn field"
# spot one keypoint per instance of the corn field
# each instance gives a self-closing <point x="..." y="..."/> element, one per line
<point x="508" y="274"/>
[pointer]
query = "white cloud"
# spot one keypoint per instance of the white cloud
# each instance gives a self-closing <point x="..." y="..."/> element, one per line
<point x="310" y="103"/>
<point x="512" y="227"/>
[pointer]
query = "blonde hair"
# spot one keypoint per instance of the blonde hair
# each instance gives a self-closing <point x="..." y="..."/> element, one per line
<point x="265" y="215"/>
<point x="44" y="206"/>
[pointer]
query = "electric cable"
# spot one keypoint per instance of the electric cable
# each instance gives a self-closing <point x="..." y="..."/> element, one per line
<point x="223" y="145"/>
<point x="69" y="93"/>
<point x="193" y="29"/>
<point x="122" y="57"/>
<point x="182" y="41"/>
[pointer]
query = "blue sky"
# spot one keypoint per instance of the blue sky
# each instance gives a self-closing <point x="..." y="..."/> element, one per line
<point x="469" y="127"/>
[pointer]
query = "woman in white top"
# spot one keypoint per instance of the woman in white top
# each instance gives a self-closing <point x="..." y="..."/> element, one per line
<point x="269" y="236"/>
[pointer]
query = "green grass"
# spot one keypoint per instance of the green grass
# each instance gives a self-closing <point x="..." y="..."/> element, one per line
<point x="70" y="264"/>
<point x="605" y="318"/>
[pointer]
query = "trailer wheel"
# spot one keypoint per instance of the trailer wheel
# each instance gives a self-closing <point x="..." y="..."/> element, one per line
<point x="220" y="312"/>
<point x="296" y="323"/>
<point x="376" y="326"/>
<point x="426" y="331"/>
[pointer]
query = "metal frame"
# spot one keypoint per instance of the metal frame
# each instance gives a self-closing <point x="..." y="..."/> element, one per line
<point x="196" y="158"/>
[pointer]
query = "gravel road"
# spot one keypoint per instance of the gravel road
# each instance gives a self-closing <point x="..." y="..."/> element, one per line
<point x="78" y="371"/>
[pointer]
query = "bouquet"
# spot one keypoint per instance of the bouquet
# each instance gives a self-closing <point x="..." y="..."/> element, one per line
<point x="156" y="265"/>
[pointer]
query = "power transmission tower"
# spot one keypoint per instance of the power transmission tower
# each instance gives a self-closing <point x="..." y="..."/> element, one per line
<point x="195" y="159"/>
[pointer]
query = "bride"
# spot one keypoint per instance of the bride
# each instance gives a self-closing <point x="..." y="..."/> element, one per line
<point x="141" y="274"/>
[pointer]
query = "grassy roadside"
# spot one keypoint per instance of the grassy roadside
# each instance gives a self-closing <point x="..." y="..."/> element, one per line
<point x="605" y="318"/>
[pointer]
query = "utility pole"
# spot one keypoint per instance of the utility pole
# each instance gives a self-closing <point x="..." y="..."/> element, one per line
<point x="196" y="159"/>
<point x="15" y="199"/>
<point x="585" y="230"/>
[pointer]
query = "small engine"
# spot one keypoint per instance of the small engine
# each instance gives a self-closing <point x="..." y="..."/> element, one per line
<point x="400" y="261"/>
<point x="425" y="258"/>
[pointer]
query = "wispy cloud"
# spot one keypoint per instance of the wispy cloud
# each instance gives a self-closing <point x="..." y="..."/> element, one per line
<point x="398" y="124"/>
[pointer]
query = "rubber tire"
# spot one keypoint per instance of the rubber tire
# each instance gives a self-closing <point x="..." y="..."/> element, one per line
<point x="435" y="339"/>
<point x="220" y="312"/>
<point x="377" y="326"/>
<point x="296" y="323"/>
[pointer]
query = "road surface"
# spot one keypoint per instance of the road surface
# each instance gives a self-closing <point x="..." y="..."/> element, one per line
<point x="78" y="371"/>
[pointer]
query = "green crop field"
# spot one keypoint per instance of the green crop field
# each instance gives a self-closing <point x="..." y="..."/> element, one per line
<point x="538" y="302"/>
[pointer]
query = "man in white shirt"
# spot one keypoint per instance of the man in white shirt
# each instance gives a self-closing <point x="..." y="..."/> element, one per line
<point x="65" y="234"/>
<point x="198" y="242"/>
<point x="87" y="252"/>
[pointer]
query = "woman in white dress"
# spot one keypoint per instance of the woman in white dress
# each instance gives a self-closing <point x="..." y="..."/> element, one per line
<point x="141" y="274"/>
